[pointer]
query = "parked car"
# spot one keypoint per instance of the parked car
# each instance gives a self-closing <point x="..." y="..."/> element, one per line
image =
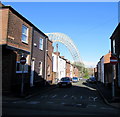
<point x="75" y="79"/>
<point x="91" y="80"/>
<point x="64" y="82"/>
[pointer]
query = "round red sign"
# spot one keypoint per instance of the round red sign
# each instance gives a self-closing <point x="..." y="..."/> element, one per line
<point x="23" y="60"/>
<point x="113" y="60"/>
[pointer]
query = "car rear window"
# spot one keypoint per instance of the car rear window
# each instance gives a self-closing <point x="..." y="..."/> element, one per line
<point x="64" y="79"/>
<point x="75" y="78"/>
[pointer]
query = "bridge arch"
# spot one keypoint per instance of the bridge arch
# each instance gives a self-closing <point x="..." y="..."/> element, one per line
<point x="67" y="41"/>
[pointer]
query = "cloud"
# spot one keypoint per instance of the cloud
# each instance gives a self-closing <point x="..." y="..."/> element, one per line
<point x="90" y="64"/>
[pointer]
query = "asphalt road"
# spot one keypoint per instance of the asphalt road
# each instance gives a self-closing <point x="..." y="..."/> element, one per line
<point x="77" y="100"/>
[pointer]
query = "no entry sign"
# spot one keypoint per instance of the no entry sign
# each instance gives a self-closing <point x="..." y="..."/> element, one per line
<point x="23" y="60"/>
<point x="113" y="60"/>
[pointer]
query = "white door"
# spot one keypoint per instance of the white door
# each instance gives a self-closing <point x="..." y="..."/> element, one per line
<point x="32" y="73"/>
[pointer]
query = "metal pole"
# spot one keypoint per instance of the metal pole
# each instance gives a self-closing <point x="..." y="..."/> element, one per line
<point x="119" y="74"/>
<point x="113" y="88"/>
<point x="22" y="82"/>
<point x="45" y="74"/>
<point x="57" y="60"/>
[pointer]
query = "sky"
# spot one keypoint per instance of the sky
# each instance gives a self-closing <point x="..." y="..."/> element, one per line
<point x="88" y="24"/>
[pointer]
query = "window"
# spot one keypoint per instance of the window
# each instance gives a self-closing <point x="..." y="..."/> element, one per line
<point x="114" y="46"/>
<point x="41" y="44"/>
<point x="40" y="68"/>
<point x="24" y="34"/>
<point x="19" y="67"/>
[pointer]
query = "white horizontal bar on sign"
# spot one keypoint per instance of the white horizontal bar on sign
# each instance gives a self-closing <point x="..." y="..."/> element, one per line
<point x="113" y="60"/>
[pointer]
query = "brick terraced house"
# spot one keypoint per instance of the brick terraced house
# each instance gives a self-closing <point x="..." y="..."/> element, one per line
<point x="115" y="49"/>
<point x="15" y="42"/>
<point x="49" y="66"/>
<point x="38" y="58"/>
<point x="21" y="38"/>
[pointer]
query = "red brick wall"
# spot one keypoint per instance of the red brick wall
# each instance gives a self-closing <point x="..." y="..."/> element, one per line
<point x="11" y="33"/>
<point x="49" y="61"/>
<point x="38" y="54"/>
<point x="67" y="69"/>
<point x="107" y="58"/>
<point x="15" y="32"/>
<point x="8" y="69"/>
<point x="3" y="29"/>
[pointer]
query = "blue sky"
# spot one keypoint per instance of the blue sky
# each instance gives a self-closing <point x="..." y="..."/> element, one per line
<point x="88" y="24"/>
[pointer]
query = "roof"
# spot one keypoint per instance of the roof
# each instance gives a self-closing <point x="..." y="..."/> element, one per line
<point x="22" y="17"/>
<point x="116" y="32"/>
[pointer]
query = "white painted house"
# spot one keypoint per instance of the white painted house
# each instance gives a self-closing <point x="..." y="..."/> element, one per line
<point x="61" y="67"/>
<point x="71" y="70"/>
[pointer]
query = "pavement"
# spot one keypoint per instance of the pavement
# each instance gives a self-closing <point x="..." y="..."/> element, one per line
<point x="34" y="91"/>
<point x="106" y="94"/>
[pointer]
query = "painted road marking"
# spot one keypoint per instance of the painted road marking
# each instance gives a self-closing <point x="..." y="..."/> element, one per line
<point x="33" y="102"/>
<point x="19" y="102"/>
<point x="91" y="105"/>
<point x="53" y="96"/>
<point x="65" y="96"/>
<point x="73" y="97"/>
<point x="93" y="98"/>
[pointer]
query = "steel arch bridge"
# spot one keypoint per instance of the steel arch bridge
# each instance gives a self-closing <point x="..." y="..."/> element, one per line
<point x="67" y="41"/>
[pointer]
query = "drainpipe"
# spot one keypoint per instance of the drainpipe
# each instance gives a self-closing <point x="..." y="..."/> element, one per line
<point x="46" y="47"/>
<point x="119" y="70"/>
<point x="57" y="60"/>
<point x="31" y="53"/>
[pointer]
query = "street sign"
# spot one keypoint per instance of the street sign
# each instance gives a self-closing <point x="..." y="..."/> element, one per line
<point x="113" y="60"/>
<point x="23" y="60"/>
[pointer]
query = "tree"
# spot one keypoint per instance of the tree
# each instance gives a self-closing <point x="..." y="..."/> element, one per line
<point x="80" y="66"/>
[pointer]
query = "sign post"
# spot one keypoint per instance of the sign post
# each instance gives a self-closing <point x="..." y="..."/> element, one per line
<point x="113" y="61"/>
<point x="22" y="61"/>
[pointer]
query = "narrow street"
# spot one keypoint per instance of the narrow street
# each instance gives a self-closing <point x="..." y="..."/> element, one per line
<point x="79" y="99"/>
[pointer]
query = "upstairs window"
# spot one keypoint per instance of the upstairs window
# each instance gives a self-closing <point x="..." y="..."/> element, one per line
<point x="114" y="46"/>
<point x="41" y="44"/>
<point x="24" y="34"/>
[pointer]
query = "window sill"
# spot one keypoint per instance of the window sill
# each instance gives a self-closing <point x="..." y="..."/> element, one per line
<point x="39" y="74"/>
<point x="41" y="49"/>
<point x="25" y="42"/>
